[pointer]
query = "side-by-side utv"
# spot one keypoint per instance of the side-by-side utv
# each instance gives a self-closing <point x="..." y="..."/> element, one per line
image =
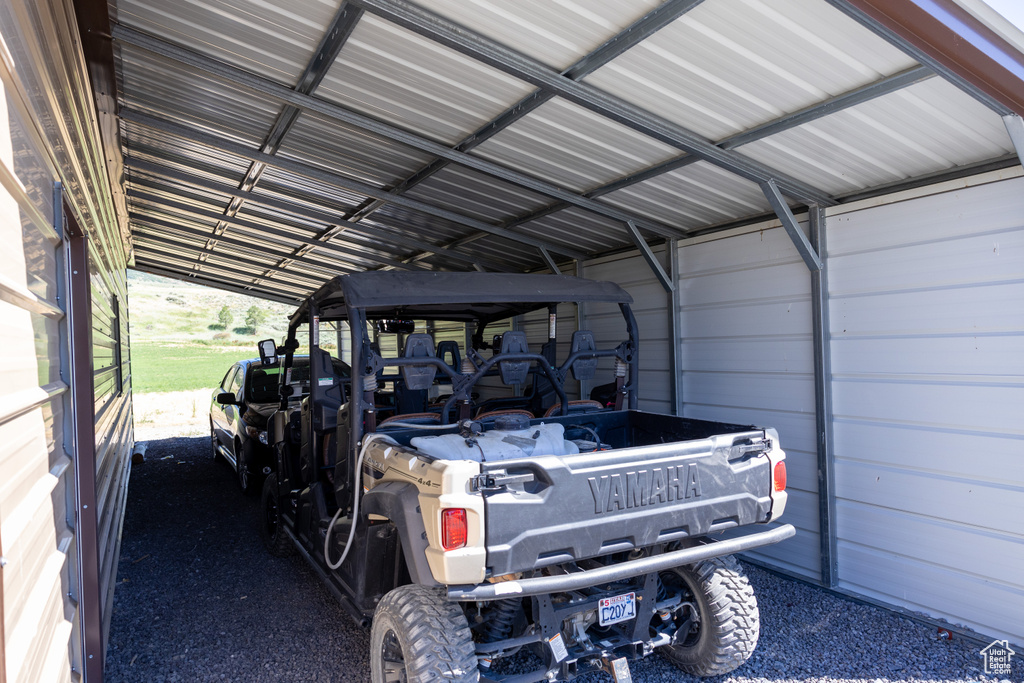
<point x="456" y="493"/>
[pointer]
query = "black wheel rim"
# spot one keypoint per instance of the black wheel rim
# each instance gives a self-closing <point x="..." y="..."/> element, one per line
<point x="392" y="660"/>
<point x="243" y="472"/>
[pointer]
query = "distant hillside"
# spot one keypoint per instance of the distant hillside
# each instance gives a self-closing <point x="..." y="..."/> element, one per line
<point x="177" y="340"/>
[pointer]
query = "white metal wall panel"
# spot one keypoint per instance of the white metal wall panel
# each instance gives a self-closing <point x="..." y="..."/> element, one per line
<point x="927" y="309"/>
<point x="747" y="358"/>
<point x="651" y="306"/>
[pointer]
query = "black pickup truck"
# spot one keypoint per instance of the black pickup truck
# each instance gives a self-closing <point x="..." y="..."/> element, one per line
<point x="451" y="494"/>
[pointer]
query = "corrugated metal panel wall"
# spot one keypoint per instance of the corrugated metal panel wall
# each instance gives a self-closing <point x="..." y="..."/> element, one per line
<point x="927" y="310"/>
<point x="747" y="358"/>
<point x="48" y="133"/>
<point x="651" y="306"/>
<point x="36" y="477"/>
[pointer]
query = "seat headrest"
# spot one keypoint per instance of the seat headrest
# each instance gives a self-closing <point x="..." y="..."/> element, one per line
<point x="419" y="377"/>
<point x="514" y="371"/>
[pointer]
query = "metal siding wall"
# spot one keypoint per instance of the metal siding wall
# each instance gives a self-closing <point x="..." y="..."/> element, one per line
<point x="36" y="486"/>
<point x="651" y="306"/>
<point x="927" y="301"/>
<point x="747" y="358"/>
<point x="48" y="133"/>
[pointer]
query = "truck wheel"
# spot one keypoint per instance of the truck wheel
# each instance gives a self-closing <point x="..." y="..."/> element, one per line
<point x="247" y="480"/>
<point x="724" y="632"/>
<point x="271" y="527"/>
<point x="419" y="636"/>
<point x="215" y="444"/>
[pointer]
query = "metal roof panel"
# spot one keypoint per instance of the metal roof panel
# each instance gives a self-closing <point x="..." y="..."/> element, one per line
<point x="573" y="147"/>
<point x="397" y="76"/>
<point x="729" y="65"/>
<point x="274" y="38"/>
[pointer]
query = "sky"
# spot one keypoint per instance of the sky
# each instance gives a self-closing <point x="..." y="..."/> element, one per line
<point x="1011" y="9"/>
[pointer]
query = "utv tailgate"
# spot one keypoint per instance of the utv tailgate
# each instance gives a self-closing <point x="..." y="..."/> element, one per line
<point x="552" y="509"/>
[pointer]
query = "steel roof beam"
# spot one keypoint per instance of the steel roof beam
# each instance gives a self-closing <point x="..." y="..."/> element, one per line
<point x="157" y="238"/>
<point x="155" y="249"/>
<point x="785" y="215"/>
<point x="157" y="268"/>
<point x="327" y="51"/>
<point x="344" y="115"/>
<point x="865" y="93"/>
<point x="1015" y="128"/>
<point x="261" y="229"/>
<point x="638" y="31"/>
<point x="161" y="225"/>
<point x="375" y="231"/>
<point x="487" y="51"/>
<point x="230" y="147"/>
<point x="550" y="262"/>
<point x="945" y="37"/>
<point x="650" y="258"/>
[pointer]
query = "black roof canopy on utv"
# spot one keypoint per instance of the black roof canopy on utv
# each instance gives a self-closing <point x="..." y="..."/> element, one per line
<point x="451" y="296"/>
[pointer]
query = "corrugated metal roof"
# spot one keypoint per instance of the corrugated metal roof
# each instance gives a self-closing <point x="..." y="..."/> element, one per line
<point x="556" y="32"/>
<point x="729" y="65"/>
<point x="573" y="147"/>
<point x="396" y="76"/>
<point x="723" y="68"/>
<point x="274" y="38"/>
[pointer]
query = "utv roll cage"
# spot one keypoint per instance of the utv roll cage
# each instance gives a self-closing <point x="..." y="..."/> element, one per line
<point x="479" y="298"/>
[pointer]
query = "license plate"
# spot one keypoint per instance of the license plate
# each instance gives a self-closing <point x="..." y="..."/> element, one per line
<point x="616" y="609"/>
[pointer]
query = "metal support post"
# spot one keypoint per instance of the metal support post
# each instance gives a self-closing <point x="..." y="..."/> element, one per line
<point x="83" y="416"/>
<point x="823" y="402"/>
<point x="676" y="329"/>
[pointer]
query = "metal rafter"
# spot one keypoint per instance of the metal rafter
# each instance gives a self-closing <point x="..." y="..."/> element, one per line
<point x="161" y="225"/>
<point x="636" y="32"/>
<point x="156" y="249"/>
<point x="652" y="261"/>
<point x="487" y="51"/>
<point x="160" y="241"/>
<point x="785" y="215"/>
<point x="259" y="229"/>
<point x="146" y="266"/>
<point x="393" y="133"/>
<point x="334" y="39"/>
<point x="883" y="86"/>
<point x="323" y="215"/>
<point x="230" y="147"/>
<point x="945" y="42"/>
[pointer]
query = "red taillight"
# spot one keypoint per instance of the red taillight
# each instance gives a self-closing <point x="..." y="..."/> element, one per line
<point x="454" y="529"/>
<point x="779" y="476"/>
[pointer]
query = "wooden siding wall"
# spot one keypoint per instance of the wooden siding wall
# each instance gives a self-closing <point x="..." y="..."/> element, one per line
<point x="48" y="134"/>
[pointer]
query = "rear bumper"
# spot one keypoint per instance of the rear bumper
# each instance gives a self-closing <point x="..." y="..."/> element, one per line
<point x="566" y="582"/>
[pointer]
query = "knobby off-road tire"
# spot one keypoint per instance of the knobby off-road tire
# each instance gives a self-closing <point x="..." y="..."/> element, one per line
<point x="729" y="622"/>
<point x="418" y="636"/>
<point x="271" y="527"/>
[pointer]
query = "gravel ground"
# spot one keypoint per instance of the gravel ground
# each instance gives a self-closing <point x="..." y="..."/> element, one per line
<point x="198" y="599"/>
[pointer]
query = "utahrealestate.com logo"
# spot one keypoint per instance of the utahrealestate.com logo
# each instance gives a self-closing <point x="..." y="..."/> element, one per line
<point x="997" y="658"/>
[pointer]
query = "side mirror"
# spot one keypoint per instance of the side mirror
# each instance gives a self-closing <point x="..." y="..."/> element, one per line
<point x="268" y="352"/>
<point x="226" y="399"/>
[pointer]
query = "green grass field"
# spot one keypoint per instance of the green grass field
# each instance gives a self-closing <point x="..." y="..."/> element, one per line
<point x="159" y="366"/>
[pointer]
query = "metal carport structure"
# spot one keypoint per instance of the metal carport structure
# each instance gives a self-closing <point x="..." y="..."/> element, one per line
<point x="265" y="148"/>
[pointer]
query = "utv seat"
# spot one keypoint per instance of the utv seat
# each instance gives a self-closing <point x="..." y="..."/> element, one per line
<point x="414" y="418"/>
<point x="575" y="407"/>
<point x="491" y="414"/>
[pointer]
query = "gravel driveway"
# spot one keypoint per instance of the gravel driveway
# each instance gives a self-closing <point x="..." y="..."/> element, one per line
<point x="198" y="599"/>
